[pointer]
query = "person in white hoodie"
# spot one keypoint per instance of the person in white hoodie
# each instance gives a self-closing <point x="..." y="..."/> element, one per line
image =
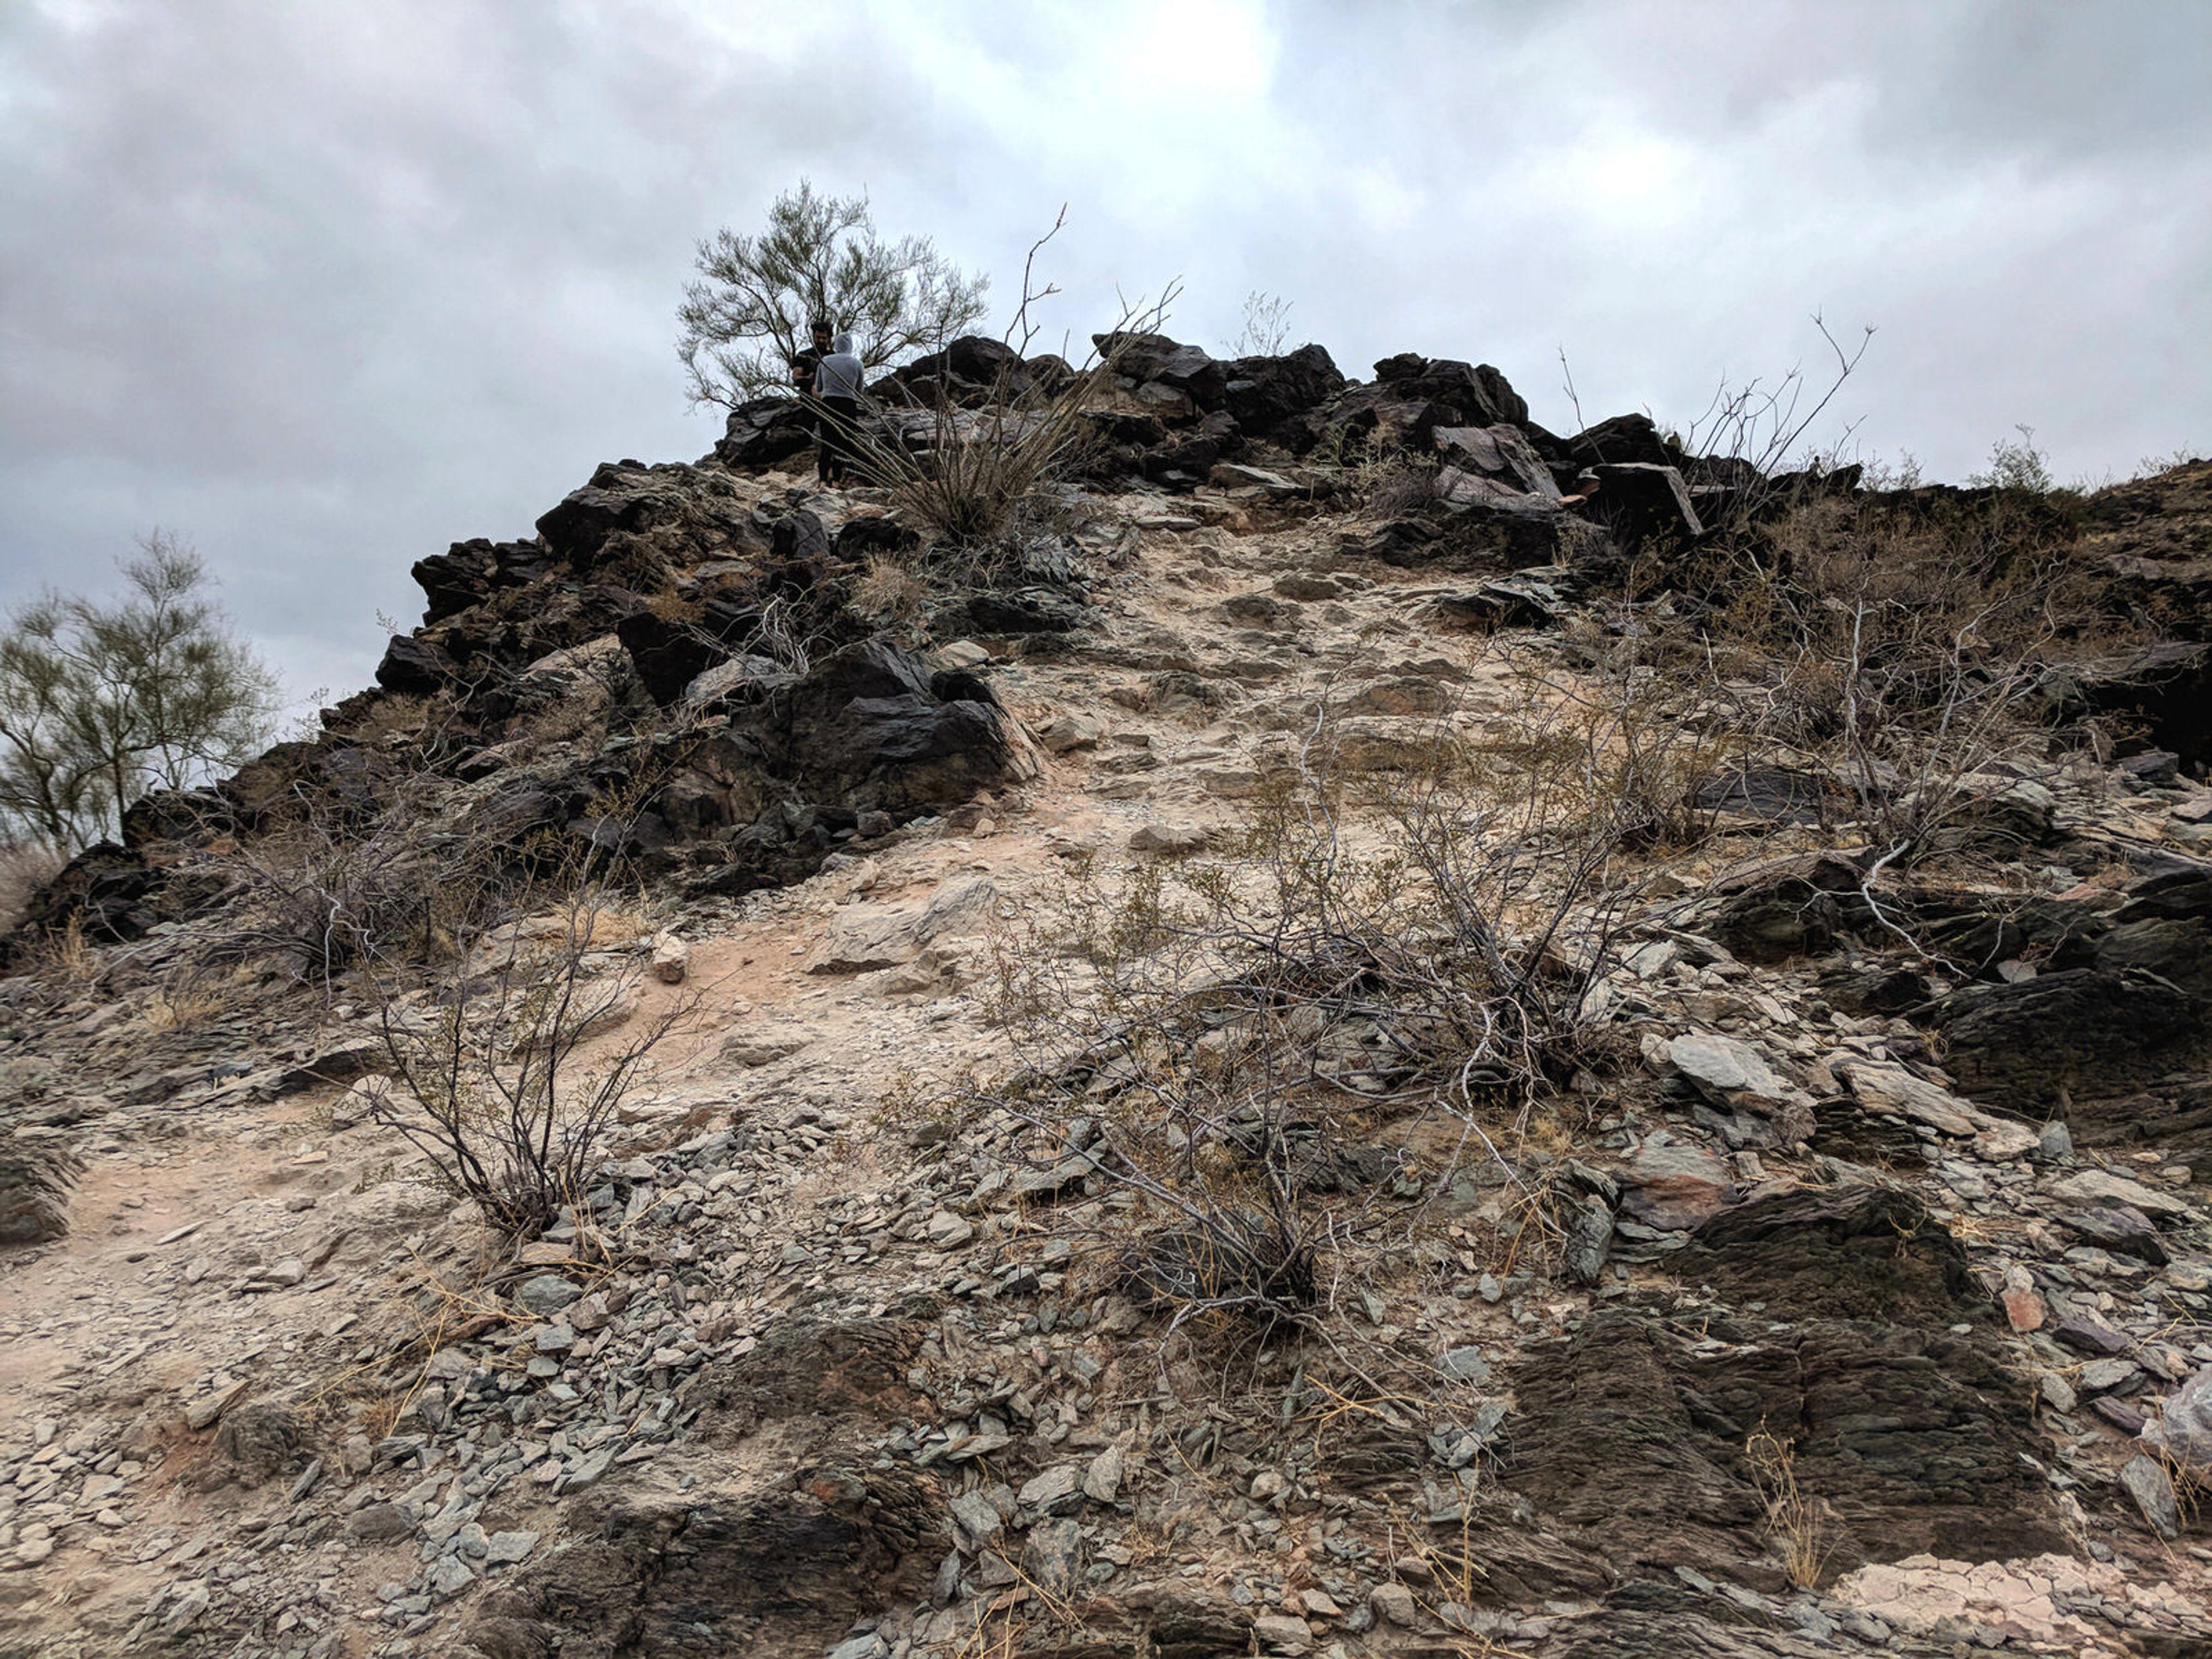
<point x="837" y="426"/>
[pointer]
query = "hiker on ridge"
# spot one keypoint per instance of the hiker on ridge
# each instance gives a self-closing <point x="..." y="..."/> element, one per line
<point x="837" y="428"/>
<point x="805" y="362"/>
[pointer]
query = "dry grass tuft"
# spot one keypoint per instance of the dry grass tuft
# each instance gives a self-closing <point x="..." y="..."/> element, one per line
<point x="890" y="596"/>
<point x="1795" y="1521"/>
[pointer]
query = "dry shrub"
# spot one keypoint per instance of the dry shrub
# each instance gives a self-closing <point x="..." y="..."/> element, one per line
<point x="1394" y="483"/>
<point x="890" y="596"/>
<point x="1898" y="646"/>
<point x="495" y="1087"/>
<point x="1795" y="1521"/>
<point x="25" y="867"/>
<point x="1227" y="1035"/>
<point x="969" y="478"/>
<point x="181" y="1008"/>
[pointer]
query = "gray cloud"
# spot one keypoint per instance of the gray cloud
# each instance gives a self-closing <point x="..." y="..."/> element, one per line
<point x="323" y="288"/>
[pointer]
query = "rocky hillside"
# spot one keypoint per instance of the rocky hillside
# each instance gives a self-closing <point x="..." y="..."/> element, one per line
<point x="1381" y="1033"/>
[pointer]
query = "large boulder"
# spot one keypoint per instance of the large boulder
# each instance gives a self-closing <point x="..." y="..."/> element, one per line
<point x="972" y="371"/>
<point x="468" y="572"/>
<point x="1410" y="398"/>
<point x="1640" y="503"/>
<point x="1500" y="454"/>
<point x="413" y="667"/>
<point x="872" y="729"/>
<point x="1267" y="396"/>
<point x="2079" y="1031"/>
<point x="1488" y="396"/>
<point x="765" y="432"/>
<point x="1154" y="359"/>
<point x="1623" y="439"/>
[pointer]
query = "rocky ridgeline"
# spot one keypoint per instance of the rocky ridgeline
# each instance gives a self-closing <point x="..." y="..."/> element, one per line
<point x="1904" y="1169"/>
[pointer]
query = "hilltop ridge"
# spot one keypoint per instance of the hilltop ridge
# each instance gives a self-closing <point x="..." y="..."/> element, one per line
<point x="1381" y="1032"/>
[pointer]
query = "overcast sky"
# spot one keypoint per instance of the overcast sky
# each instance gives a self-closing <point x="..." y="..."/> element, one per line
<point x="322" y="288"/>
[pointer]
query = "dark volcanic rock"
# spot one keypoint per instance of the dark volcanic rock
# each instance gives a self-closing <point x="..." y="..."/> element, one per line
<point x="870" y="729"/>
<point x="1846" y="1252"/>
<point x="1623" y="439"/>
<point x="36" y="1178"/>
<point x="778" y="1555"/>
<point x="105" y="889"/>
<point x="1154" y="357"/>
<point x="413" y="667"/>
<point x="761" y="434"/>
<point x="1268" y="396"/>
<point x="2082" y="1031"/>
<point x="1629" y="1436"/>
<point x="1640" y="503"/>
<point x="1792" y="907"/>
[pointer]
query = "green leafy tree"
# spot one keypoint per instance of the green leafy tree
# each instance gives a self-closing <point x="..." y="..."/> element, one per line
<point x="747" y="314"/>
<point x="101" y="703"/>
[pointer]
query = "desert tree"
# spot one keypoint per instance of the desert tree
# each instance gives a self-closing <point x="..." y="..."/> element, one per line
<point x="746" y="315"/>
<point x="102" y="701"/>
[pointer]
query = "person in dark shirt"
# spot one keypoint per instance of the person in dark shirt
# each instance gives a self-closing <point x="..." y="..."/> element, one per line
<point x="805" y="362"/>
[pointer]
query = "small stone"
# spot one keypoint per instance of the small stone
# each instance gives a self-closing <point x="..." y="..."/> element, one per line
<point x="2147" y="1482"/>
<point x="2054" y="1142"/>
<point x="2023" y="1307"/>
<point x="1282" y="1632"/>
<point x="671" y="959"/>
<point x="2103" y="1376"/>
<point x="1393" y="1604"/>
<point x="1175" y="840"/>
<point x="546" y="1294"/>
<point x="202" y="1412"/>
<point x="1465" y="1365"/>
<point x="1268" y="1484"/>
<point x="948" y="1231"/>
<point x="589" y="1472"/>
<point x="1070" y="733"/>
<point x="305" y="1482"/>
<point x="977" y="1518"/>
<point x="1056" y="1487"/>
<point x="1053" y="1555"/>
<point x="378" y="1524"/>
<point x="448" y="1576"/>
<point x="504" y="1549"/>
<point x="1589" y="1238"/>
<point x="1101" y="1481"/>
<point x="1673" y="1187"/>
<point x="2057" y="1392"/>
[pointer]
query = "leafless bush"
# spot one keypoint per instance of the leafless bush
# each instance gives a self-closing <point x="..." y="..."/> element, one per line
<point x="25" y="867"/>
<point x="1393" y="483"/>
<point x="1267" y="328"/>
<point x="1751" y="430"/>
<point x="497" y="1085"/>
<point x="321" y="889"/>
<point x="1898" y="650"/>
